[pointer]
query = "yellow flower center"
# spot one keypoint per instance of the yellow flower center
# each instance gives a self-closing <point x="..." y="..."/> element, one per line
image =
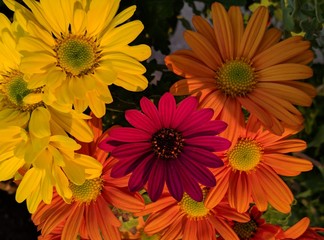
<point x="77" y="55"/>
<point x="236" y="78"/>
<point x="193" y="208"/>
<point x="245" y="155"/>
<point x="167" y="143"/>
<point x="245" y="230"/>
<point x="14" y="88"/>
<point x="88" y="191"/>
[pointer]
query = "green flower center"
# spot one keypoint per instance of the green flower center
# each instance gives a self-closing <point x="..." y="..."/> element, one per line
<point x="245" y="230"/>
<point x="245" y="155"/>
<point x="193" y="208"/>
<point x="88" y="191"/>
<point x="167" y="143"/>
<point x="77" y="55"/>
<point x="14" y="88"/>
<point x="236" y="78"/>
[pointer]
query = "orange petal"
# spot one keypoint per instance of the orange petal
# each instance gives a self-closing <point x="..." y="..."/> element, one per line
<point x="270" y="38"/>
<point x="175" y="230"/>
<point x="203" y="49"/>
<point x="280" y="52"/>
<point x="73" y="223"/>
<point x="215" y="100"/>
<point x="273" y="106"/>
<point x="298" y="229"/>
<point x="223" y="31"/>
<point x="190" y="230"/>
<point x="306" y="87"/>
<point x="256" y="110"/>
<point x="285" y="146"/>
<point x="239" y="191"/>
<point x="232" y="114"/>
<point x="283" y="162"/>
<point x="163" y="202"/>
<point x="278" y="193"/>
<point x="217" y="193"/>
<point x="188" y="67"/>
<point x="236" y="20"/>
<point x="192" y="85"/>
<point x="253" y="33"/>
<point x="285" y="72"/>
<point x="292" y="94"/>
<point x="161" y="220"/>
<point x="205" y="29"/>
<point x="222" y="228"/>
<point x="258" y="194"/>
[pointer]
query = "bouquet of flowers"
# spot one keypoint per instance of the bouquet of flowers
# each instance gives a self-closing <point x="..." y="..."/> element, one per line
<point x="110" y="132"/>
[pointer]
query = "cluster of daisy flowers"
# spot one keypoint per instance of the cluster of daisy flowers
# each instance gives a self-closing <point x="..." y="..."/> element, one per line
<point x="205" y="167"/>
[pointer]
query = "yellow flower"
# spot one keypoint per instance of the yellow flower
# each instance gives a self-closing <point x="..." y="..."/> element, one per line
<point x="50" y="162"/>
<point x="77" y="54"/>
<point x="27" y="108"/>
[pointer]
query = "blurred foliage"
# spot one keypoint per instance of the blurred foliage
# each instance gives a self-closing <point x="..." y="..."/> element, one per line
<point x="161" y="19"/>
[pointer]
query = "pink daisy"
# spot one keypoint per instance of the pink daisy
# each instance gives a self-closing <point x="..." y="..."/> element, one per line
<point x="170" y="145"/>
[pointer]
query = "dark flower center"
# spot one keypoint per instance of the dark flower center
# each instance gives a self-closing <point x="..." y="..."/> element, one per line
<point x="245" y="230"/>
<point x="167" y="143"/>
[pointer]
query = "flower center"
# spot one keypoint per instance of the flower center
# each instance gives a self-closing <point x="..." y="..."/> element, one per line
<point x="14" y="87"/>
<point x="193" y="208"/>
<point x="245" y="155"/>
<point x="236" y="78"/>
<point x="77" y="55"/>
<point x="167" y="143"/>
<point x="88" y="191"/>
<point x="245" y="230"/>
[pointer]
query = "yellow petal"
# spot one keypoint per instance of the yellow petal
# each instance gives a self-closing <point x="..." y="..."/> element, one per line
<point x="39" y="124"/>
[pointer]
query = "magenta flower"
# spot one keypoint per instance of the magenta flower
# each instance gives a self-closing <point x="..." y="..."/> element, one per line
<point x="172" y="144"/>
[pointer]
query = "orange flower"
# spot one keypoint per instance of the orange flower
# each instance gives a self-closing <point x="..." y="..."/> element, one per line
<point x="231" y="66"/>
<point x="189" y="219"/>
<point x="89" y="214"/>
<point x="251" y="168"/>
<point x="301" y="231"/>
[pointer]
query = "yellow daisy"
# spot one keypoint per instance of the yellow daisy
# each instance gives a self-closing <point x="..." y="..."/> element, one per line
<point x="49" y="162"/>
<point x="28" y="108"/>
<point x="77" y="54"/>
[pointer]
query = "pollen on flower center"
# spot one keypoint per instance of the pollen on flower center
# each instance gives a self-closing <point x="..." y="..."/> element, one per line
<point x="167" y="143"/>
<point x="14" y="87"/>
<point x="193" y="208"/>
<point x="245" y="230"/>
<point x="236" y="78"/>
<point x="245" y="155"/>
<point x="88" y="191"/>
<point x="77" y="55"/>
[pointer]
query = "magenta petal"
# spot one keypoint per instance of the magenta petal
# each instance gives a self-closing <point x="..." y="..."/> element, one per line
<point x="140" y="175"/>
<point x="141" y="121"/>
<point x="156" y="180"/>
<point x="199" y="173"/>
<point x="127" y="165"/>
<point x="209" y="143"/>
<point x="173" y="180"/>
<point x="105" y="146"/>
<point x="184" y="110"/>
<point x="128" y="134"/>
<point x="201" y="156"/>
<point x="197" y="119"/>
<point x="209" y="128"/>
<point x="130" y="149"/>
<point x="149" y="109"/>
<point x="167" y="108"/>
<point x="191" y="187"/>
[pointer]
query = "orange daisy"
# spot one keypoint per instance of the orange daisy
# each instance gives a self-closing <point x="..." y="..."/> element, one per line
<point x="189" y="219"/>
<point x="252" y="165"/>
<point x="231" y="67"/>
<point x="89" y="214"/>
